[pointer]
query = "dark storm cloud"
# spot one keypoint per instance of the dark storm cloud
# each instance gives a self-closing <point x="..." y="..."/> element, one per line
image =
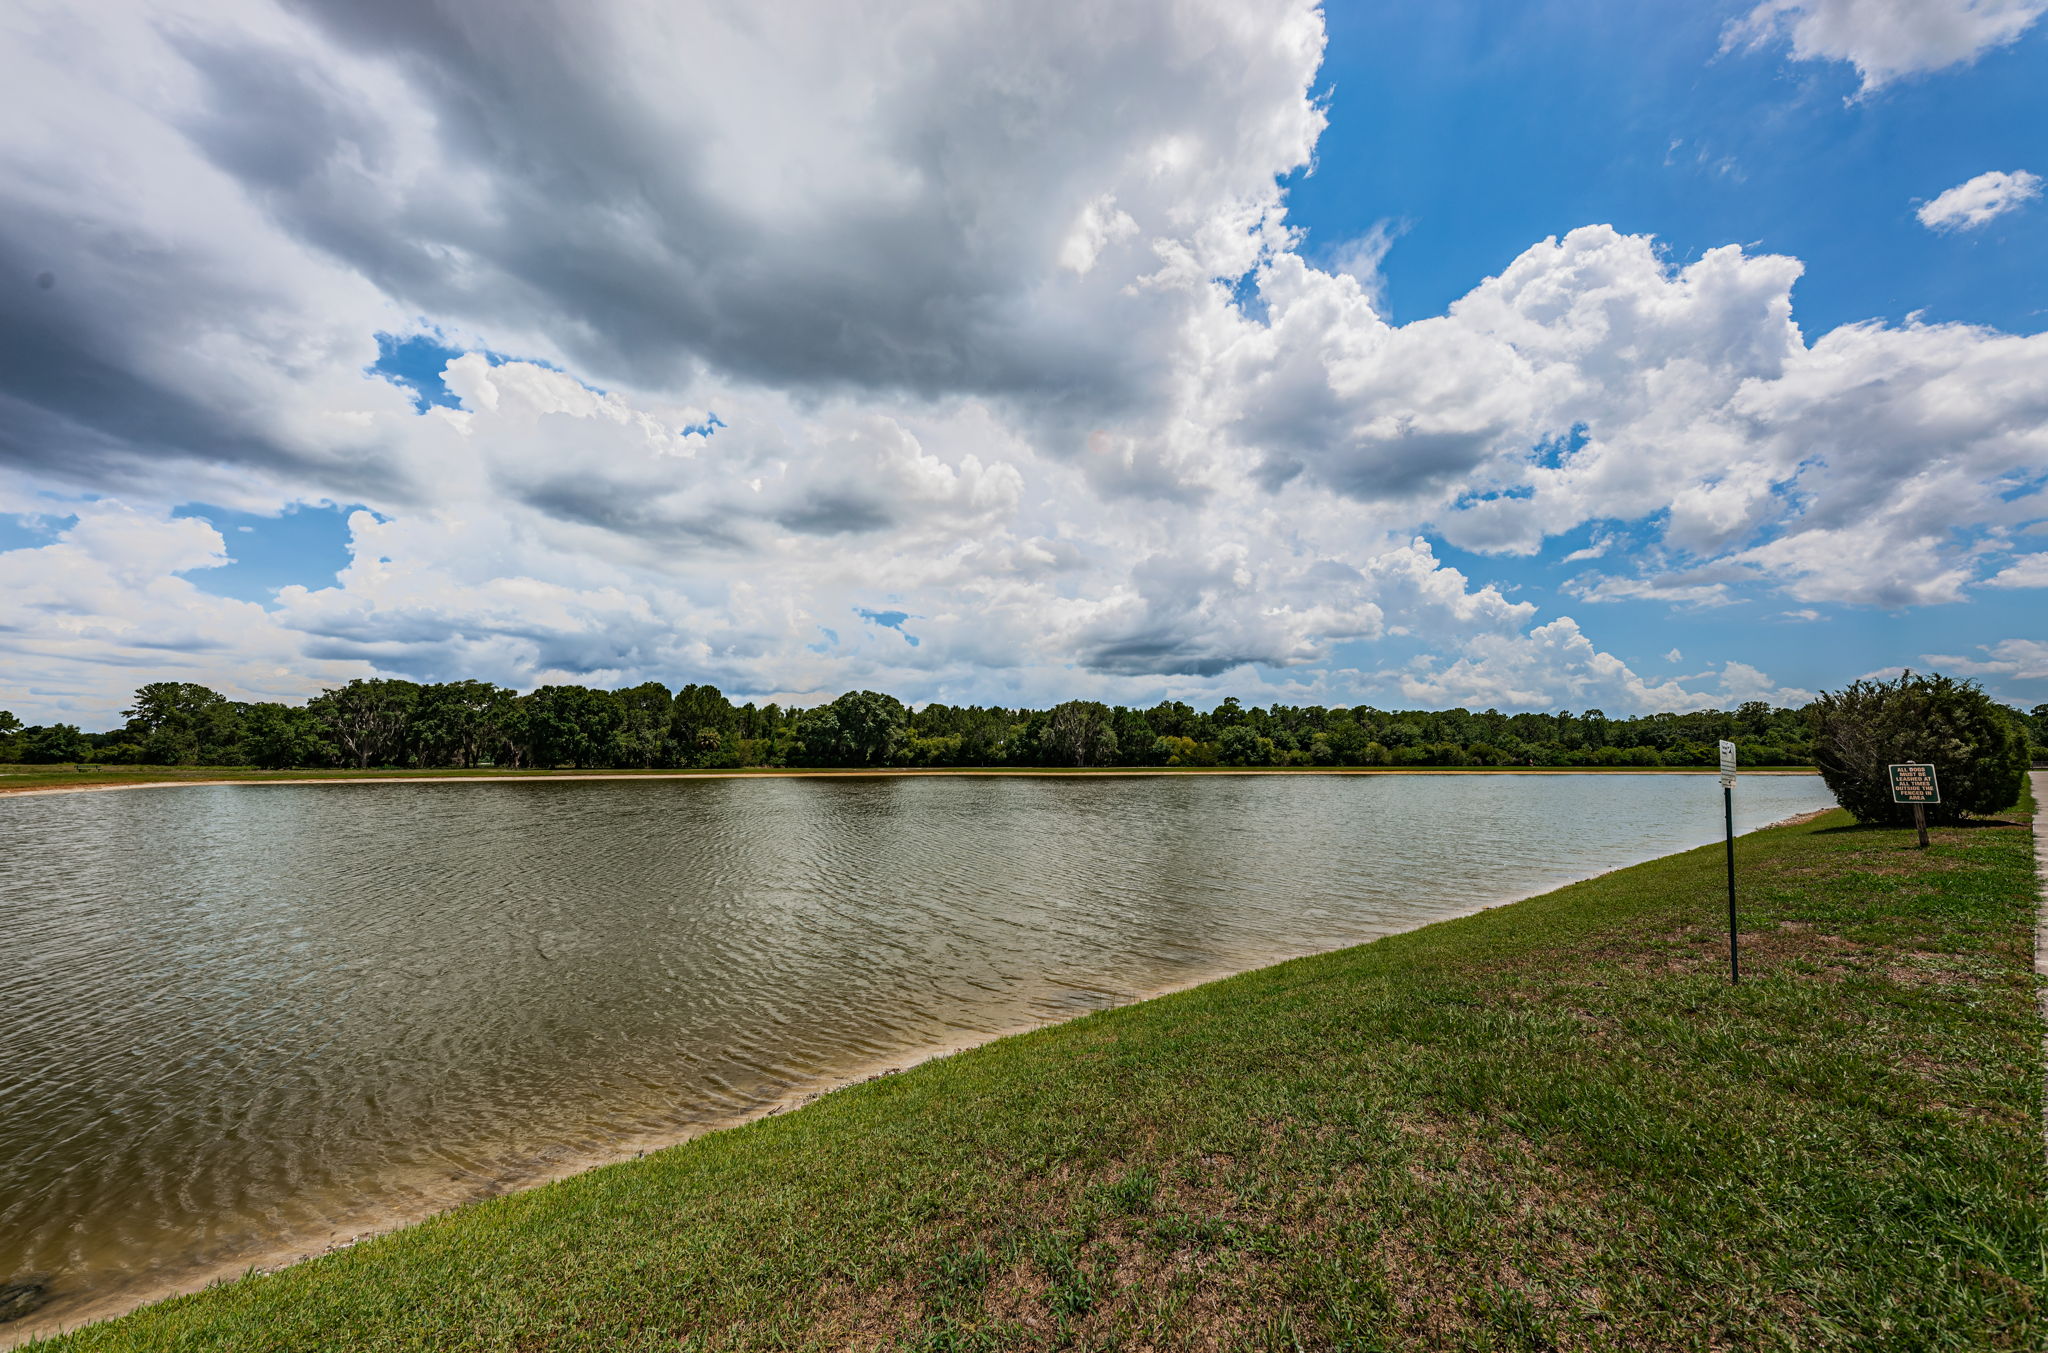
<point x="122" y="369"/>
<point x="603" y="222"/>
<point x="835" y="513"/>
<point x="1162" y="654"/>
<point x="537" y="169"/>
<point x="589" y="501"/>
<point x="824" y="506"/>
<point x="73" y="401"/>
<point x="1313" y="432"/>
<point x="1410" y="462"/>
<point x="426" y="646"/>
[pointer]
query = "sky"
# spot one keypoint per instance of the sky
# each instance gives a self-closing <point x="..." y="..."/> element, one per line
<point x="1559" y="354"/>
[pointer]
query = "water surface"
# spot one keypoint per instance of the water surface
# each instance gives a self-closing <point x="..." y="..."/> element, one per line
<point x="241" y="1020"/>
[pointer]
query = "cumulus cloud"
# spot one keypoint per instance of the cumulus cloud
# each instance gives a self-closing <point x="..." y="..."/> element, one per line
<point x="1885" y="39"/>
<point x="967" y="289"/>
<point x="1972" y="203"/>
<point x="107" y="605"/>
<point x="1592" y="381"/>
<point x="1363" y="259"/>
<point x="1557" y="665"/>
<point x="2017" y="659"/>
<point x="2029" y="570"/>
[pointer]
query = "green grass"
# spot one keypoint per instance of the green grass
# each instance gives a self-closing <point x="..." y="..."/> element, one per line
<point x="16" y="778"/>
<point x="1552" y="1125"/>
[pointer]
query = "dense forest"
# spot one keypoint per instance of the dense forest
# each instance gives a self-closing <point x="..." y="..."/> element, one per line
<point x="474" y="723"/>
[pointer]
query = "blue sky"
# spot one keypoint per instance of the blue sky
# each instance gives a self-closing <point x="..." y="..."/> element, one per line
<point x="1427" y="354"/>
<point x="1473" y="129"/>
<point x="1481" y="127"/>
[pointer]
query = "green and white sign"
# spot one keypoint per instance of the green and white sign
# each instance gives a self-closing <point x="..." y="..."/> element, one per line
<point x="1914" y="782"/>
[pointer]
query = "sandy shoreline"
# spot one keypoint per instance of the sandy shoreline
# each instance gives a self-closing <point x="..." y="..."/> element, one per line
<point x="64" y="1314"/>
<point x="904" y="772"/>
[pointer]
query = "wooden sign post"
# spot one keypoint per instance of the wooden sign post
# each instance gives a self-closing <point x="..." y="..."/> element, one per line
<point x="1728" y="819"/>
<point x="1914" y="782"/>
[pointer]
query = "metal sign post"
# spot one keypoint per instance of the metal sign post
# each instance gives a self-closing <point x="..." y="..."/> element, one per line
<point x="1914" y="782"/>
<point x="1728" y="818"/>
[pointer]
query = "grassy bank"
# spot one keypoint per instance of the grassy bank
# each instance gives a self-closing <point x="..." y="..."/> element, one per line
<point x="1550" y="1125"/>
<point x="14" y="779"/>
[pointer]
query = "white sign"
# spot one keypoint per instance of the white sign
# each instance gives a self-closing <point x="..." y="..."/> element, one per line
<point x="1727" y="764"/>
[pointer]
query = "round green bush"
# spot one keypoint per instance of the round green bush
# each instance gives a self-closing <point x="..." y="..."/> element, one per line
<point x="1974" y="743"/>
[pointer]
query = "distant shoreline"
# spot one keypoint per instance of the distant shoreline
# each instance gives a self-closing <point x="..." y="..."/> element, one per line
<point x="54" y="785"/>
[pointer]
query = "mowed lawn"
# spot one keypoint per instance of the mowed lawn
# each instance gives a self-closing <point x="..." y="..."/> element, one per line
<point x="1553" y="1125"/>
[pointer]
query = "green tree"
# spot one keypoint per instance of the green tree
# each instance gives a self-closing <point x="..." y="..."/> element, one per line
<point x="367" y="720"/>
<point x="282" y="737"/>
<point x="54" y="744"/>
<point x="512" y="733"/>
<point x="860" y="728"/>
<point x="644" y="737"/>
<point x="984" y="737"/>
<point x="695" y="709"/>
<point x="1240" y="745"/>
<point x="457" y="722"/>
<point x="1975" y="745"/>
<point x="1172" y="719"/>
<point x="573" y="724"/>
<point x="1078" y="733"/>
<point x="1134" y="735"/>
<point x="178" y="723"/>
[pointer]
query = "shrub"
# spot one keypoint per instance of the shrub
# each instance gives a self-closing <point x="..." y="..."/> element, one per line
<point x="1183" y="752"/>
<point x="1973" y="743"/>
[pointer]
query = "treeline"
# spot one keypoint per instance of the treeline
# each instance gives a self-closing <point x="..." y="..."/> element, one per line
<point x="394" y="723"/>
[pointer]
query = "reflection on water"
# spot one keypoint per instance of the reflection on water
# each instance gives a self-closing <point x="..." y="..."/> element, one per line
<point x="237" y="1018"/>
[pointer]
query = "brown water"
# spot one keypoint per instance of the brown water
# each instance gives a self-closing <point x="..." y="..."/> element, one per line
<point x="241" y="1021"/>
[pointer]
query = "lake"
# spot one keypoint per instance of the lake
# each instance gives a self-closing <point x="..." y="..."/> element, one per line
<point x="241" y="1022"/>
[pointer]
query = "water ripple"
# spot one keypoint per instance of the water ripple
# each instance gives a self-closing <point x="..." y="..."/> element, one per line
<point x="239" y="1018"/>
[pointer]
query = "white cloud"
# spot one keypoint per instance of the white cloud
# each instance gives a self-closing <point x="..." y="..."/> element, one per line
<point x="1886" y="39"/>
<point x="962" y="286"/>
<point x="106" y="606"/>
<point x="1674" y="656"/>
<point x="2018" y="659"/>
<point x="1741" y="683"/>
<point x="2029" y="570"/>
<point x="1969" y="205"/>
<point x="1101" y="224"/>
<point x="1556" y="665"/>
<point x="1363" y="259"/>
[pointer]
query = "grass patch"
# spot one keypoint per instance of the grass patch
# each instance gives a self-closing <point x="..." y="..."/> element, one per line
<point x="1553" y="1125"/>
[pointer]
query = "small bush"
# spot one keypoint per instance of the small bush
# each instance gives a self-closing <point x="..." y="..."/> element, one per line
<point x="1974" y="744"/>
